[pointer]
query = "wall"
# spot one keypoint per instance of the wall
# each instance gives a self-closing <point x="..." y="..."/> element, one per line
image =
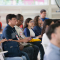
<point x="28" y="11"/>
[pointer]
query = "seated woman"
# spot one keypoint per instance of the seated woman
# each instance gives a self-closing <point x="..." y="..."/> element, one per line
<point x="45" y="39"/>
<point x="38" y="25"/>
<point x="28" y="32"/>
<point x="3" y="40"/>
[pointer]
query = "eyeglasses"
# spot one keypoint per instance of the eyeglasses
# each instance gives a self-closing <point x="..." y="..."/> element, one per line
<point x="40" y="19"/>
<point x="21" y="20"/>
<point x="31" y="21"/>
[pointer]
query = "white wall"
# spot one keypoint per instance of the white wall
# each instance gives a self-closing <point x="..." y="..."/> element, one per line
<point x="29" y="11"/>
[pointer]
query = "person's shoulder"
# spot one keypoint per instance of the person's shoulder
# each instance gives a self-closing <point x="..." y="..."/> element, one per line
<point x="50" y="52"/>
<point x="7" y="28"/>
<point x="35" y="26"/>
<point x="26" y="29"/>
<point x="46" y="18"/>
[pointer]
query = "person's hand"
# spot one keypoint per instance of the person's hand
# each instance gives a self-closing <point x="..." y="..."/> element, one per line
<point x="9" y="39"/>
<point x="3" y="40"/>
<point x="39" y="36"/>
<point x="21" y="47"/>
<point x="27" y="39"/>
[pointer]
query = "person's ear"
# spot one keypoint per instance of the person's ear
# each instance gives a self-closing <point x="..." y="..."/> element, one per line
<point x="53" y="35"/>
<point x="9" y="20"/>
<point x="27" y="23"/>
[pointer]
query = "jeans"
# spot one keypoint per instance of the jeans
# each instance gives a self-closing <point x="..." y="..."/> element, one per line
<point x="15" y="58"/>
<point x="40" y="48"/>
<point x="32" y="52"/>
<point x="26" y="55"/>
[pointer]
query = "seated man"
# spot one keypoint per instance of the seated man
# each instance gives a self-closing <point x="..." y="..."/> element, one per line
<point x="53" y="49"/>
<point x="12" y="45"/>
<point x="22" y="36"/>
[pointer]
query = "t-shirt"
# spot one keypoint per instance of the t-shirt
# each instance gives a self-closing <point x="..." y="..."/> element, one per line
<point x="32" y="33"/>
<point x="45" y="41"/>
<point x="9" y="33"/>
<point x="43" y="19"/>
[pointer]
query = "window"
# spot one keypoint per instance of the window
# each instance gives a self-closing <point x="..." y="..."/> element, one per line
<point x="53" y="2"/>
<point x="24" y="2"/>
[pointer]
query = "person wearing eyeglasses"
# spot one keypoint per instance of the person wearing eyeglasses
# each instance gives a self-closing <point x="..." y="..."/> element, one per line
<point x="43" y="15"/>
<point x="31" y="51"/>
<point x="37" y="25"/>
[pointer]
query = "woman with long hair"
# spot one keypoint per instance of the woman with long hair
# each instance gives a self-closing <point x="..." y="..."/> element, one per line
<point x="45" y="40"/>
<point x="38" y="24"/>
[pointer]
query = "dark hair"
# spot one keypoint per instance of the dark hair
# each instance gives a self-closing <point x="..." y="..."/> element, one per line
<point x="46" y="22"/>
<point x="58" y="21"/>
<point x="36" y="20"/>
<point x="10" y="16"/>
<point x="27" y="21"/>
<point x="51" y="29"/>
<point x="18" y="16"/>
<point x="43" y="10"/>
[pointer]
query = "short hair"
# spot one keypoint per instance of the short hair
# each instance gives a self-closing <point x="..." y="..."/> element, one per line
<point x="43" y="10"/>
<point x="18" y="16"/>
<point x="10" y="16"/>
<point x="52" y="29"/>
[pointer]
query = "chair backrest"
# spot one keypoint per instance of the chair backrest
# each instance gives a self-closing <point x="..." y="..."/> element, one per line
<point x="1" y="55"/>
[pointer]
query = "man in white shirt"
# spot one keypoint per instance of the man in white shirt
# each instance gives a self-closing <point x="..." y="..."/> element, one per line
<point x="21" y="36"/>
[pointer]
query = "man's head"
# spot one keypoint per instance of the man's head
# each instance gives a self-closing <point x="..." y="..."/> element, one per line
<point x="11" y="19"/>
<point x="43" y="13"/>
<point x="19" y="19"/>
<point x="53" y="32"/>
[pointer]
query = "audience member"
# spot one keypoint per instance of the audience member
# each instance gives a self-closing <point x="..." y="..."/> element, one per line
<point x="43" y="14"/>
<point x="37" y="28"/>
<point x="3" y="40"/>
<point x="12" y="45"/>
<point x="53" y="49"/>
<point x="27" y="49"/>
<point x="45" y="39"/>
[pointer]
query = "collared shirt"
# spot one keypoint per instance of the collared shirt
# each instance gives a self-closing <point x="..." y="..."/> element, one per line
<point x="19" y="31"/>
<point x="9" y="33"/>
<point x="43" y="19"/>
<point x="52" y="52"/>
<point x="21" y="35"/>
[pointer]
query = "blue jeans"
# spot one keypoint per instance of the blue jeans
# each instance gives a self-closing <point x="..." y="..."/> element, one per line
<point x="15" y="58"/>
<point x="23" y="57"/>
<point x="25" y="54"/>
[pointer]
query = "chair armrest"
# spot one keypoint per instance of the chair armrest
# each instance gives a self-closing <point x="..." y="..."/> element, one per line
<point x="3" y="52"/>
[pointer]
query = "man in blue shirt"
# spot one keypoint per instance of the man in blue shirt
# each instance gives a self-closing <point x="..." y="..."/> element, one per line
<point x="53" y="49"/>
<point x="12" y="45"/>
<point x="43" y="14"/>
